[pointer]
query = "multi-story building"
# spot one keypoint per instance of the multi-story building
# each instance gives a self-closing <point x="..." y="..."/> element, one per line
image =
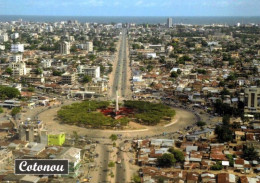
<point x="16" y="58"/>
<point x="15" y="35"/>
<point x="98" y="87"/>
<point x="252" y="100"/>
<point x="169" y="22"/>
<point x="33" y="79"/>
<point x="93" y="72"/>
<point x="68" y="78"/>
<point x="74" y="156"/>
<point x="15" y="48"/>
<point x="19" y="68"/>
<point x="89" y="46"/>
<point x="46" y="63"/>
<point x="65" y="48"/>
<point x="4" y="37"/>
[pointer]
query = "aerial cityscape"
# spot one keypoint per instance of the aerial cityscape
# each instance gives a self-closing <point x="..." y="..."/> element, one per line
<point x="130" y="98"/>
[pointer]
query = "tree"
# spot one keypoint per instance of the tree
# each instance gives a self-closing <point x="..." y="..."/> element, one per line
<point x="31" y="89"/>
<point x="166" y="160"/>
<point x="56" y="73"/>
<point x="15" y="111"/>
<point x="38" y="71"/>
<point x="8" y="92"/>
<point x="178" y="71"/>
<point x="174" y="74"/>
<point x="201" y="123"/>
<point x="111" y="164"/>
<point x="249" y="153"/>
<point x="86" y="79"/>
<point x="113" y="137"/>
<point x="9" y="71"/>
<point x="178" y="155"/>
<point x="230" y="159"/>
<point x="217" y="166"/>
<point x="223" y="131"/>
<point x="136" y="179"/>
<point x="1" y="110"/>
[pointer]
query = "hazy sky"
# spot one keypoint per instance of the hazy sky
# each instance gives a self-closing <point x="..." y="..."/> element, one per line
<point x="131" y="7"/>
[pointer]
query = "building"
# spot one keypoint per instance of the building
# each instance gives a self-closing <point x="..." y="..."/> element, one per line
<point x="19" y="68"/>
<point x="89" y="46"/>
<point x="33" y="79"/>
<point x="2" y="47"/>
<point x="15" y="48"/>
<point x="169" y="22"/>
<point x="252" y="100"/>
<point x="31" y="131"/>
<point x="16" y="58"/>
<point x="15" y="35"/>
<point x="68" y="78"/>
<point x="93" y="72"/>
<point x="65" y="48"/>
<point x="4" y="37"/>
<point x="98" y="87"/>
<point x="74" y="156"/>
<point x="46" y="63"/>
<point x="56" y="139"/>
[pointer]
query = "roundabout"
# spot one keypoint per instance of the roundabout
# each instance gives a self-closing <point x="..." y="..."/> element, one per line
<point x="181" y="120"/>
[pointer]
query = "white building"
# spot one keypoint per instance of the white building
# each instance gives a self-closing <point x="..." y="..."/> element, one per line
<point x="15" y="48"/>
<point x="46" y="63"/>
<point x="2" y="47"/>
<point x="19" y="68"/>
<point x="4" y="37"/>
<point x="87" y="46"/>
<point x="16" y="58"/>
<point x="169" y="22"/>
<point x="151" y="55"/>
<point x="119" y="26"/>
<point x="15" y="35"/>
<point x="93" y="72"/>
<point x="65" y="48"/>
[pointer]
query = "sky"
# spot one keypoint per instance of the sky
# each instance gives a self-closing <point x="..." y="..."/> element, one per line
<point x="131" y="7"/>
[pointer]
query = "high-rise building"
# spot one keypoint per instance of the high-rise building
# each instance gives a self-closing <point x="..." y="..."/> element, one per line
<point x="252" y="100"/>
<point x="89" y="46"/>
<point x="65" y="48"/>
<point x="169" y="22"/>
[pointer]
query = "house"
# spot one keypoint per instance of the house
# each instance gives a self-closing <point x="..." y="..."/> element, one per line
<point x="226" y="178"/>
<point x="242" y="165"/>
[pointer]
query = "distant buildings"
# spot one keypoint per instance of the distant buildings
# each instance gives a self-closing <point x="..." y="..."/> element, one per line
<point x="169" y="22"/>
<point x="65" y="48"/>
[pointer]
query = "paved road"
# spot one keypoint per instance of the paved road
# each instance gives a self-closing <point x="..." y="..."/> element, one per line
<point x="121" y="168"/>
<point x="121" y="76"/>
<point x="104" y="157"/>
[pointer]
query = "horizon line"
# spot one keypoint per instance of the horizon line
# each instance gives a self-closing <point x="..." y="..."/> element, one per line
<point x="138" y="15"/>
